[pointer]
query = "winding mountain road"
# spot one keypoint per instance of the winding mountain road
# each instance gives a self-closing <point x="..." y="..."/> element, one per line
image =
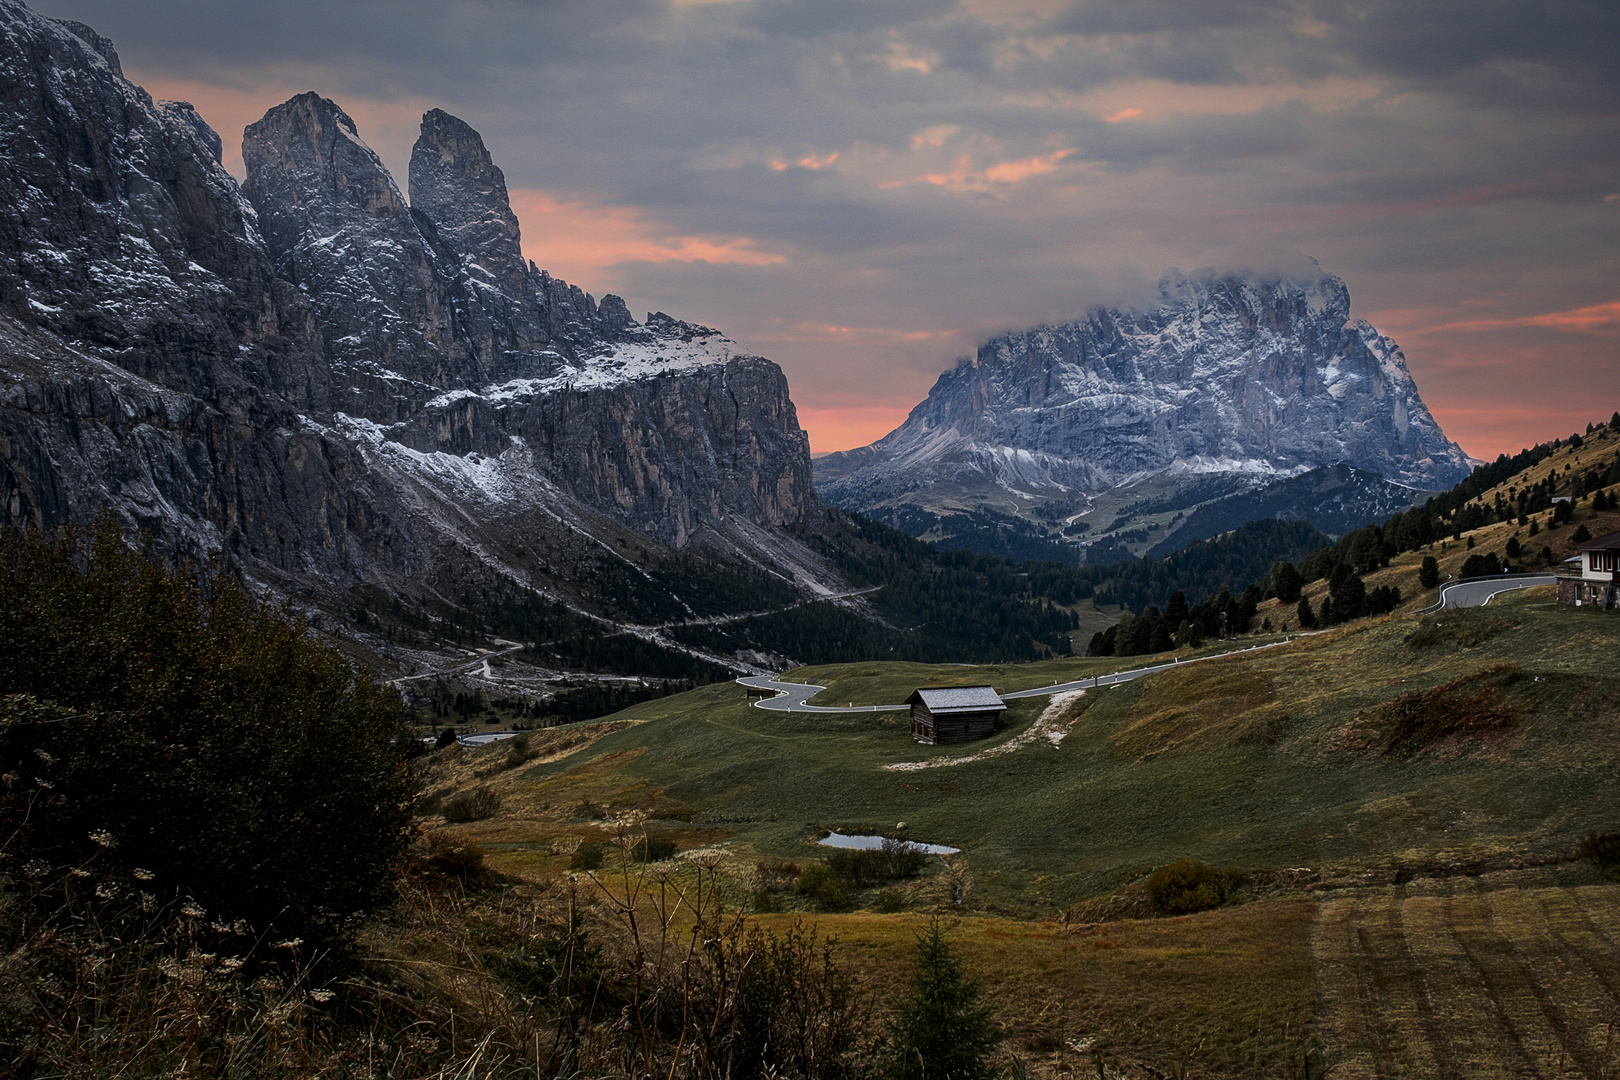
<point x="792" y="697"/>
<point x="1463" y="594"/>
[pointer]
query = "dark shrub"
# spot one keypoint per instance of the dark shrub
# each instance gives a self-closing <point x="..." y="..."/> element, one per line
<point x="1429" y="572"/>
<point x="651" y="848"/>
<point x="474" y="804"/>
<point x="858" y="869"/>
<point x="889" y="902"/>
<point x="1601" y="848"/>
<point x="864" y="868"/>
<point x="903" y="860"/>
<point x="446" y="738"/>
<point x="464" y="864"/>
<point x="588" y="856"/>
<point x="1186" y="886"/>
<point x="821" y="886"/>
<point x="798" y="1014"/>
<point x="212" y="741"/>
<point x="517" y="751"/>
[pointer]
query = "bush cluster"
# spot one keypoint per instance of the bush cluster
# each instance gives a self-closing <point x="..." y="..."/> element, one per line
<point x="1187" y="886"/>
<point x="862" y="869"/>
<point x="474" y="804"/>
<point x="588" y="856"/>
<point x="652" y="848"/>
<point x="167" y="723"/>
<point x="1601" y="848"/>
<point x="828" y="884"/>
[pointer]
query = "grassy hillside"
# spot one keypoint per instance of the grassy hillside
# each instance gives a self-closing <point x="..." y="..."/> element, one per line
<point x="1323" y="753"/>
<point x="1402" y="798"/>
<point x="1388" y="788"/>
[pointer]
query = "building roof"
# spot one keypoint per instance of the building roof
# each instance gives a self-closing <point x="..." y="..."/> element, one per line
<point x="1601" y="543"/>
<point x="944" y="700"/>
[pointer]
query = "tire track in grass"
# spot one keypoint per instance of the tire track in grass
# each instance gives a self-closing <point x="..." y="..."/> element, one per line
<point x="1469" y="1035"/>
<point x="1572" y="996"/>
<point x="1530" y="1033"/>
<point x="1600" y="904"/>
<point x="1405" y="1010"/>
<point x="1347" y="1019"/>
<point x="1598" y="949"/>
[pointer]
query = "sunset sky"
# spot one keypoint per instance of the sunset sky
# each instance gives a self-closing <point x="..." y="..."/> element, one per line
<point x="863" y="190"/>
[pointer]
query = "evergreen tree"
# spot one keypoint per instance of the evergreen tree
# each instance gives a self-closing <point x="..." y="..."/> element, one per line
<point x="1307" y="617"/>
<point x="1286" y="581"/>
<point x="1349" y="596"/>
<point x="940" y="1031"/>
<point x="1429" y="572"/>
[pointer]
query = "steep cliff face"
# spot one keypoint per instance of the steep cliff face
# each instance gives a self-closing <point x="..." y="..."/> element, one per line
<point x="449" y="342"/>
<point x="152" y="361"/>
<point x="328" y="384"/>
<point x="339" y="231"/>
<point x="1241" y="378"/>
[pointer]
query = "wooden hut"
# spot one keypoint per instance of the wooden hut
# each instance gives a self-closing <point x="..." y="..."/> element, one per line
<point x="954" y="713"/>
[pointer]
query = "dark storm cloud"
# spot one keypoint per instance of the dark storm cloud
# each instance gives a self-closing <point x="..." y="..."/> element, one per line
<point x="828" y="17"/>
<point x="1097" y="17"/>
<point x="1563" y="53"/>
<point x="893" y="178"/>
<point x="200" y="33"/>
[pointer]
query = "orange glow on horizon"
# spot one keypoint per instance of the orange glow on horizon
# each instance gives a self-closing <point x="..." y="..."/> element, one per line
<point x="384" y="125"/>
<point x="573" y="237"/>
<point x="1597" y="318"/>
<point x="835" y="428"/>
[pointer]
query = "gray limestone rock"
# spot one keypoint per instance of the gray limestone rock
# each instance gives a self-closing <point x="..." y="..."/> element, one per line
<point x="1252" y="377"/>
<point x="327" y="385"/>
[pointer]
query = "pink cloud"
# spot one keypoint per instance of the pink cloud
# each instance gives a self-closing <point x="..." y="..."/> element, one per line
<point x="809" y="161"/>
<point x="966" y="178"/>
<point x="1123" y="114"/>
<point x="1595" y="319"/>
<point x="575" y="237"/>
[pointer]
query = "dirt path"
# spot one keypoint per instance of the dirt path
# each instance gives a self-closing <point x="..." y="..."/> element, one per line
<point x="1450" y="979"/>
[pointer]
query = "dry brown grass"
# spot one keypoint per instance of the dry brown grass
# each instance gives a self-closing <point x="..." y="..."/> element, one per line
<point x="1225" y="993"/>
<point x="1455" y="978"/>
<point x="1200" y="707"/>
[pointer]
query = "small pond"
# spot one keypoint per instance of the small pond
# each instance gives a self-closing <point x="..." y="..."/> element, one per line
<point x="872" y="843"/>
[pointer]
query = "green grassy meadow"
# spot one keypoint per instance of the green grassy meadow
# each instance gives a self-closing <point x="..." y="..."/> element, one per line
<point x="1278" y="759"/>
<point x="1351" y="775"/>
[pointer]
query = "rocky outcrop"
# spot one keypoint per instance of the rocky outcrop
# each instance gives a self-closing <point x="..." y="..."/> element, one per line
<point x="324" y="382"/>
<point x="1238" y="376"/>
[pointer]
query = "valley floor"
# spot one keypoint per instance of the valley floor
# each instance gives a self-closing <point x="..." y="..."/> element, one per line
<point x="1461" y="979"/>
<point x="1400" y="797"/>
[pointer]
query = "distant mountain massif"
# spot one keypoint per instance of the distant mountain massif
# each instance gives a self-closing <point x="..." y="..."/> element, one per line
<point x="1230" y="398"/>
<point x="351" y="397"/>
<point x="375" y="407"/>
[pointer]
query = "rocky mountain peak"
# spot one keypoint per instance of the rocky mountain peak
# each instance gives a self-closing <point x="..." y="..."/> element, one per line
<point x="103" y="46"/>
<point x="1227" y="379"/>
<point x="1272" y="298"/>
<point x="339" y="230"/>
<point x="310" y="149"/>
<point x="455" y="183"/>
